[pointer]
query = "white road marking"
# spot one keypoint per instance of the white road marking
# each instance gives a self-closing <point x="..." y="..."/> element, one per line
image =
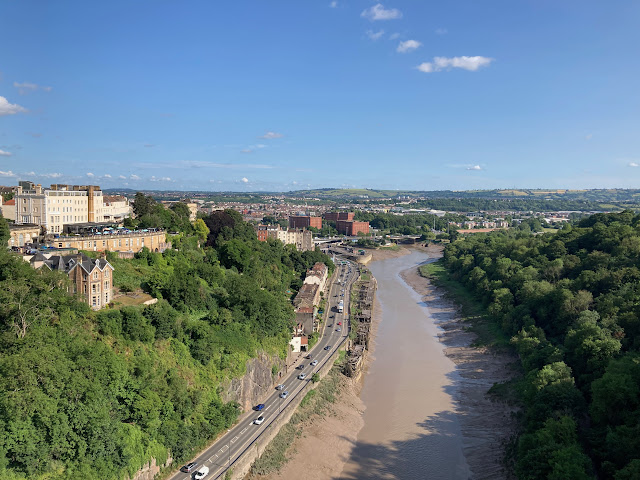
<point x="267" y="408"/>
<point x="243" y="430"/>
<point x="234" y="439"/>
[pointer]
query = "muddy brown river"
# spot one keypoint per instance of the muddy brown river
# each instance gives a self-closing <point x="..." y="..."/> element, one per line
<point x="411" y="430"/>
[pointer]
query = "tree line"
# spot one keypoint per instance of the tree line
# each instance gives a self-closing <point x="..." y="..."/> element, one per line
<point x="570" y="302"/>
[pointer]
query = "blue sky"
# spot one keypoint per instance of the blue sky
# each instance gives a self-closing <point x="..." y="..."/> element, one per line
<point x="283" y="95"/>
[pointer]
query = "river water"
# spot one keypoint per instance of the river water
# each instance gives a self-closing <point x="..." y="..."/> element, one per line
<point x="411" y="431"/>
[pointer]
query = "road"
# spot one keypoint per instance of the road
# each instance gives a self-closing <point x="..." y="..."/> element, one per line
<point x="219" y="456"/>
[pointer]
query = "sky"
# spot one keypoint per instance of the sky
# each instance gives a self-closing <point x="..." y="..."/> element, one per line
<point x="279" y="95"/>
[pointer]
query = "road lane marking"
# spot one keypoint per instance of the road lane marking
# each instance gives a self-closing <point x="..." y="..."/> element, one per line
<point x="234" y="439"/>
<point x="267" y="408"/>
<point x="244" y="430"/>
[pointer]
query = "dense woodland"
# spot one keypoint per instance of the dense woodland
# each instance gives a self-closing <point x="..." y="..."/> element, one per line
<point x="570" y="302"/>
<point x="94" y="395"/>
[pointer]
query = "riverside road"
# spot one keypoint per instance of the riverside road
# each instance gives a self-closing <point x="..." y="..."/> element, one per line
<point x="222" y="454"/>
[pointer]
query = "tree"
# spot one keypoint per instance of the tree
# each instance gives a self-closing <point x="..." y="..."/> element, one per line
<point x="201" y="229"/>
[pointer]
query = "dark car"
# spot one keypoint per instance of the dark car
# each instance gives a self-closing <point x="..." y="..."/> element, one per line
<point x="308" y="356"/>
<point x="259" y="407"/>
<point x="189" y="467"/>
<point x="300" y="367"/>
<point x="328" y="347"/>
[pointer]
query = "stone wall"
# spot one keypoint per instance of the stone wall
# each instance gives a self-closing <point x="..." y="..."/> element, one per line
<point x="255" y="384"/>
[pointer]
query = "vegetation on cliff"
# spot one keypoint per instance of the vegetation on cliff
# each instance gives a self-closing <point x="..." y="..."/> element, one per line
<point x="95" y="395"/>
<point x="569" y="301"/>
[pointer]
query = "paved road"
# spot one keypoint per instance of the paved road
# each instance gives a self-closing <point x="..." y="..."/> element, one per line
<point x="230" y="446"/>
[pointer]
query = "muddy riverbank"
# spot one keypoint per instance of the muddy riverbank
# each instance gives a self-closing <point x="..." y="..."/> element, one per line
<point x="441" y="426"/>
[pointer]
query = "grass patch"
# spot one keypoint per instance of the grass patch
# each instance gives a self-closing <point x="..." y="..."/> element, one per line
<point x="481" y="323"/>
<point x="316" y="402"/>
<point x="394" y="247"/>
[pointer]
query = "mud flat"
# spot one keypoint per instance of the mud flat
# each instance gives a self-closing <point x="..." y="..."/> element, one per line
<point x="486" y="424"/>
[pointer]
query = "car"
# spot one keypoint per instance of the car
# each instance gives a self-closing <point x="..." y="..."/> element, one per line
<point x="330" y="325"/>
<point x="259" y="407"/>
<point x="280" y="387"/>
<point x="259" y="420"/>
<point x="314" y="363"/>
<point x="201" y="473"/>
<point x="338" y="329"/>
<point x="302" y="376"/>
<point x="342" y="295"/>
<point x="189" y="467"/>
<point x="308" y="356"/>
<point x="339" y="323"/>
<point x="284" y="394"/>
<point x="300" y="367"/>
<point x="328" y="347"/>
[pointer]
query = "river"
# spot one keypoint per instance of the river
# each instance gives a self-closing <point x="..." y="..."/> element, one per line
<point x="411" y="430"/>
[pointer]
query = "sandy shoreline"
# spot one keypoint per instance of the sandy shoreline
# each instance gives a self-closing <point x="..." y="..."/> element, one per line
<point x="326" y="442"/>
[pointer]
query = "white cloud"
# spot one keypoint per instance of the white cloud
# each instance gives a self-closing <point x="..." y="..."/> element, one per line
<point x="374" y="35"/>
<point x="5" y="154"/>
<point x="52" y="175"/>
<point x="634" y="164"/>
<point x="270" y="135"/>
<point x="106" y="175"/>
<point x="443" y="63"/>
<point x="7" y="108"/>
<point x="7" y="174"/>
<point x="246" y="150"/>
<point x="26" y="87"/>
<point x="122" y="177"/>
<point x="588" y="137"/>
<point x="245" y="180"/>
<point x="134" y="177"/>
<point x="394" y="36"/>
<point x="260" y="145"/>
<point x="408" y="46"/>
<point x="441" y="31"/>
<point x="474" y="167"/>
<point x="378" y="12"/>
<point x="333" y="4"/>
<point x="161" y="179"/>
<point x="90" y="175"/>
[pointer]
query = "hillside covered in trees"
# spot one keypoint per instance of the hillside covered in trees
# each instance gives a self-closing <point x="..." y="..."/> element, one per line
<point x="571" y="304"/>
<point x="95" y="395"/>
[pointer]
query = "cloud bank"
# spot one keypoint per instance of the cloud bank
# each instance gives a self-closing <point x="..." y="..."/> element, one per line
<point x="466" y="63"/>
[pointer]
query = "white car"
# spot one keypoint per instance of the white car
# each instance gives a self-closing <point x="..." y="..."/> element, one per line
<point x="280" y="387"/>
<point x="259" y="420"/>
<point x="284" y="394"/>
<point x="200" y="474"/>
<point x="314" y="363"/>
<point x="302" y="376"/>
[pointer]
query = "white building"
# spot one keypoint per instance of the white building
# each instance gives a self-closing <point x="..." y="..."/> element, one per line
<point x="60" y="205"/>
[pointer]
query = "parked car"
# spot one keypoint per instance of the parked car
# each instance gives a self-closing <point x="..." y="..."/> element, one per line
<point x="189" y="467"/>
<point x="284" y="394"/>
<point x="259" y="407"/>
<point x="314" y="363"/>
<point x="328" y="347"/>
<point x="308" y="356"/>
<point x="302" y="376"/>
<point x="338" y="329"/>
<point x="280" y="387"/>
<point x="339" y="323"/>
<point x="259" y="420"/>
<point x="300" y="367"/>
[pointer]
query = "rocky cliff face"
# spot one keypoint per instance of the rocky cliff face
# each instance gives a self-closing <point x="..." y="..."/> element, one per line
<point x="256" y="382"/>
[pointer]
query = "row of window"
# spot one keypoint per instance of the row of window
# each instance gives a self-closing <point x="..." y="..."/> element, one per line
<point x="95" y="300"/>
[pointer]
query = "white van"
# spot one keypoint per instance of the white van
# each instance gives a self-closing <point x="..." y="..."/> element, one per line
<point x="203" y="472"/>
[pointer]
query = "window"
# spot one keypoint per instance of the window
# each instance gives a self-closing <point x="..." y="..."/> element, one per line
<point x="106" y="274"/>
<point x="106" y="285"/>
<point x="95" y="275"/>
<point x="93" y="301"/>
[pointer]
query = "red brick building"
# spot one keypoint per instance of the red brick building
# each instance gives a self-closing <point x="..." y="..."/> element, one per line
<point x="351" y="227"/>
<point x="298" y="221"/>
<point x="335" y="216"/>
